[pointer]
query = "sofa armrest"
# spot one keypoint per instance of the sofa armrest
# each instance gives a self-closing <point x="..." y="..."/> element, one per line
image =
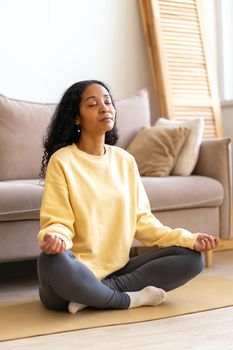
<point x="215" y="161"/>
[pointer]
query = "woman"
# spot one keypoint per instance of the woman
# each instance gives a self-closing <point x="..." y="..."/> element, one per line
<point x="94" y="205"/>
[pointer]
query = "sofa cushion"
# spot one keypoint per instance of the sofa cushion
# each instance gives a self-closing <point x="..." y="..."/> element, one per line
<point x="20" y="199"/>
<point x="22" y="127"/>
<point x="133" y="113"/>
<point x="182" y="192"/>
<point x="156" y="149"/>
<point x="188" y="156"/>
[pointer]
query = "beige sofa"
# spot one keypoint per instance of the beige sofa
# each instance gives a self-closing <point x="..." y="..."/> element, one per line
<point x="200" y="202"/>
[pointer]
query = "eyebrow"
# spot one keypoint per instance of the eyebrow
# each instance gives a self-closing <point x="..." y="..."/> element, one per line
<point x="96" y="97"/>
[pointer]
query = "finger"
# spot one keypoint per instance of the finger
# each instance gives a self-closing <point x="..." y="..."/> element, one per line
<point x="53" y="243"/>
<point x="62" y="249"/>
<point x="200" y="245"/>
<point x="55" y="246"/>
<point x="210" y="244"/>
<point x="49" y="245"/>
<point x="47" y="236"/>
<point x="213" y="241"/>
<point x="217" y="241"/>
<point x="59" y="248"/>
<point x="200" y="236"/>
<point x="63" y="246"/>
<point x="203" y="245"/>
<point x="53" y="249"/>
<point x="47" y="240"/>
<point x="207" y="244"/>
<point x="213" y="244"/>
<point x="43" y="245"/>
<point x="210" y="241"/>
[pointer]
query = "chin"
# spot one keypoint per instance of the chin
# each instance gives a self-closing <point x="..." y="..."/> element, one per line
<point x="109" y="128"/>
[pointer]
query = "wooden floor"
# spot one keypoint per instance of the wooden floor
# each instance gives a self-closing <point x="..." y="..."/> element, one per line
<point x="206" y="330"/>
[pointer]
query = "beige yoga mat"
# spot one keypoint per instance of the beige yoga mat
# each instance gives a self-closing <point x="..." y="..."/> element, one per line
<point x="32" y="319"/>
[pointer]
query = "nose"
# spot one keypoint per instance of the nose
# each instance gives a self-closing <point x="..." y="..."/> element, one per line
<point x="103" y="108"/>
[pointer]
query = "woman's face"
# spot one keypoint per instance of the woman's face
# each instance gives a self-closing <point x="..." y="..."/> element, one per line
<point x="97" y="114"/>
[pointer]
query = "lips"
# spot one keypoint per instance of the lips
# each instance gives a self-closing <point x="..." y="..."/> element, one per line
<point x="106" y="119"/>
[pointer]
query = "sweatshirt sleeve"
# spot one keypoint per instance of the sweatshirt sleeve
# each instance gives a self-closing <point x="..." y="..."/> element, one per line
<point x="56" y="214"/>
<point x="150" y="231"/>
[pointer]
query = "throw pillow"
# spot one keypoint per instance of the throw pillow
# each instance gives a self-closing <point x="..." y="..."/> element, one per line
<point x="155" y="149"/>
<point x="22" y="127"/>
<point x="188" y="156"/>
<point x="133" y="113"/>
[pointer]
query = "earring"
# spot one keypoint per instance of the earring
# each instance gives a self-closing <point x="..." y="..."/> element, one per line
<point x="78" y="129"/>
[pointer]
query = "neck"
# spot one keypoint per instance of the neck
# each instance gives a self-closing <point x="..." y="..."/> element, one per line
<point x="92" y="146"/>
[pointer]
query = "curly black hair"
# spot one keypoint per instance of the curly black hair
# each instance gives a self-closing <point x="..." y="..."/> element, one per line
<point x="62" y="130"/>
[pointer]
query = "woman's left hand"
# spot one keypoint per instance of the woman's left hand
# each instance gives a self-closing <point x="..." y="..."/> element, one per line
<point x="205" y="242"/>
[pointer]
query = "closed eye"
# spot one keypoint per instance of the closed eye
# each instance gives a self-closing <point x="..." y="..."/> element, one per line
<point x="96" y="104"/>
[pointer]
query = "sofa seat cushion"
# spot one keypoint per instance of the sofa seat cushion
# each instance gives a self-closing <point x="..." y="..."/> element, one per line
<point x="182" y="192"/>
<point x="20" y="199"/>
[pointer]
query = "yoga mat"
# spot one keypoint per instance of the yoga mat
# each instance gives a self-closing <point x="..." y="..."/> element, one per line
<point x="30" y="319"/>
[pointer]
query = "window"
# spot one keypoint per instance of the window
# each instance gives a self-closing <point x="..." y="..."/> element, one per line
<point x="224" y="18"/>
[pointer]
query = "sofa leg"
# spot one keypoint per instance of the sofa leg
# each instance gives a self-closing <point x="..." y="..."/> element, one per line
<point x="209" y="258"/>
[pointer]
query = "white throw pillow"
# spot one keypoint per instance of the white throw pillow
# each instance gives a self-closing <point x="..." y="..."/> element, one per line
<point x="188" y="156"/>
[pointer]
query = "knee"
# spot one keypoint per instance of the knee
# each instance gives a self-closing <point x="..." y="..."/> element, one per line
<point x="51" y="262"/>
<point x="45" y="264"/>
<point x="42" y="258"/>
<point x="47" y="260"/>
<point x="195" y="262"/>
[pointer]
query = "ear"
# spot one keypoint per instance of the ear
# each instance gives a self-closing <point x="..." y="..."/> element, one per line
<point x="77" y="120"/>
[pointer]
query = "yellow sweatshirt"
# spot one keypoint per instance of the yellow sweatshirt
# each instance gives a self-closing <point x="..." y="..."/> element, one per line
<point x="98" y="205"/>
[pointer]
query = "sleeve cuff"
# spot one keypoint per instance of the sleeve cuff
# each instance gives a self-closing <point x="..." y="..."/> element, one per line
<point x="58" y="231"/>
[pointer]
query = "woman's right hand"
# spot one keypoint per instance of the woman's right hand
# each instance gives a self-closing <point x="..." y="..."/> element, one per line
<point x="52" y="244"/>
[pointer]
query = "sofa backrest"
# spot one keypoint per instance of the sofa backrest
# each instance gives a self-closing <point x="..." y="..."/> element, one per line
<point x="133" y="113"/>
<point x="23" y="125"/>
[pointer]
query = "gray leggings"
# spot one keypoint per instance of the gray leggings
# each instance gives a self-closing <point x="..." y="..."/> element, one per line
<point x="62" y="278"/>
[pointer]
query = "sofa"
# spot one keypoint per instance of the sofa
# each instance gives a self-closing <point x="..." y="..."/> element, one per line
<point x="200" y="202"/>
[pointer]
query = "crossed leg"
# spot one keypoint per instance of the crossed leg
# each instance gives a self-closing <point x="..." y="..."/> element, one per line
<point x="63" y="278"/>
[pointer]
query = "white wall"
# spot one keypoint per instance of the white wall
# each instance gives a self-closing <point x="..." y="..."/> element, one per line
<point x="210" y="29"/>
<point x="47" y="45"/>
<point x="225" y="9"/>
<point x="211" y="26"/>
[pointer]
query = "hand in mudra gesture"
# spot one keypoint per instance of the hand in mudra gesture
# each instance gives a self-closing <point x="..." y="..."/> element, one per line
<point x="205" y="242"/>
<point x="52" y="244"/>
